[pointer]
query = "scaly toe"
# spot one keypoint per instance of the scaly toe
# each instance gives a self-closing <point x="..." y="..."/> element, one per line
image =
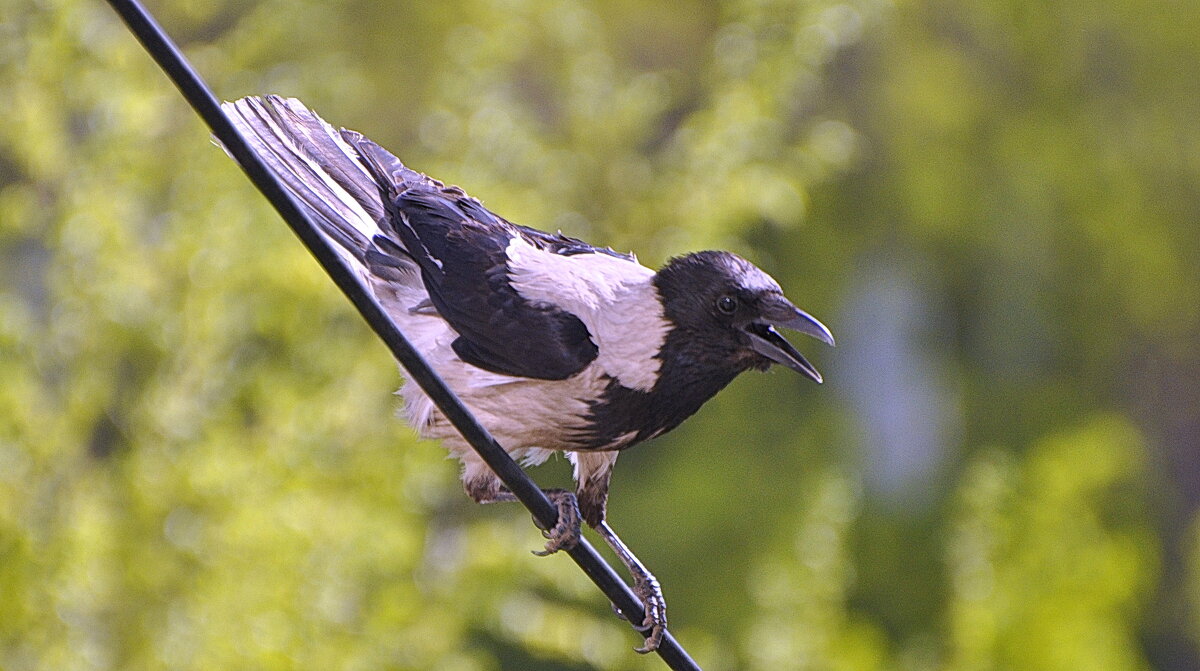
<point x="655" y="607"/>
<point x="566" y="533"/>
<point x="653" y="640"/>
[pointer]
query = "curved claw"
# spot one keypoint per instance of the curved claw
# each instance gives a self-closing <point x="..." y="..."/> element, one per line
<point x="654" y="625"/>
<point x="655" y="607"/>
<point x="653" y="640"/>
<point x="565" y="534"/>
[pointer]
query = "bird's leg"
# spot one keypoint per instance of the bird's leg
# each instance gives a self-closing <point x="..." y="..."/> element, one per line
<point x="565" y="534"/>
<point x="645" y="585"/>
<point x="592" y="472"/>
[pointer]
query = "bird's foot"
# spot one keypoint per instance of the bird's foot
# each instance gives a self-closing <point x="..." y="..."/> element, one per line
<point x="654" y="623"/>
<point x="655" y="608"/>
<point x="565" y="534"/>
<point x="647" y="589"/>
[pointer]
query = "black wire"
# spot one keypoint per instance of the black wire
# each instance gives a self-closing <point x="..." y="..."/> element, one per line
<point x="164" y="52"/>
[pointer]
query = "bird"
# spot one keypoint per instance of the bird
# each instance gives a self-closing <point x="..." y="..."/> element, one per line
<point x="555" y="345"/>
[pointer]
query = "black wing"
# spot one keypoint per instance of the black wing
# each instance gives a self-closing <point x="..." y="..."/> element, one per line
<point x="565" y="245"/>
<point x="460" y="247"/>
<point x="465" y="268"/>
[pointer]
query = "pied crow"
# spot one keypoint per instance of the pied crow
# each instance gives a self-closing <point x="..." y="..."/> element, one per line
<point x="555" y="345"/>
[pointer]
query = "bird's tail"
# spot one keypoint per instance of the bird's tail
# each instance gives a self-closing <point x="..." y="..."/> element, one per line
<point x="339" y="177"/>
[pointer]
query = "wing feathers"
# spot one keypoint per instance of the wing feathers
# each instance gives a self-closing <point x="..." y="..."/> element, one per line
<point x="394" y="221"/>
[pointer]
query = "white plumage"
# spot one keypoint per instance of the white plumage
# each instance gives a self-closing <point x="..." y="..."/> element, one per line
<point x="614" y="297"/>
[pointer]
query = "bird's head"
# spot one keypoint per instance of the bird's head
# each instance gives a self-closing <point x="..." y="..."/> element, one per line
<point x="730" y="312"/>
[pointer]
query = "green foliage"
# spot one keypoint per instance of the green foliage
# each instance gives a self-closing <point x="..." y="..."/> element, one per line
<point x="802" y="593"/>
<point x="199" y="464"/>
<point x="1047" y="563"/>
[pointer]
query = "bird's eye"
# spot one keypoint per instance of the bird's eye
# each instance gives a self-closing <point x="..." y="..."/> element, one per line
<point x="727" y="304"/>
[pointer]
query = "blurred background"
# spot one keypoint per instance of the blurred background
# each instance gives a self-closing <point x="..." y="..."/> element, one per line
<point x="994" y="204"/>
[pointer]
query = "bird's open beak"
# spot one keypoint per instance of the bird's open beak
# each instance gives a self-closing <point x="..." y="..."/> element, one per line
<point x="766" y="340"/>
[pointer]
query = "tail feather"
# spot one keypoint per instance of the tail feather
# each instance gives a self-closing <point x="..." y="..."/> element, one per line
<point x="317" y="166"/>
